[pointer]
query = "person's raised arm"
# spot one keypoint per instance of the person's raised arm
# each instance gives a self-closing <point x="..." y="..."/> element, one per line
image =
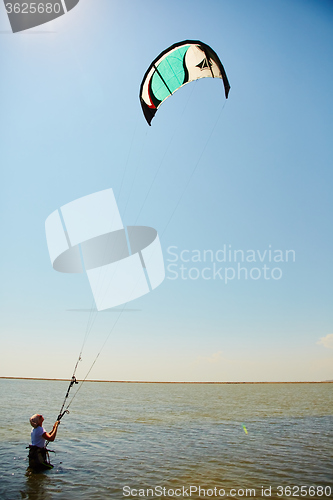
<point x="50" y="436"/>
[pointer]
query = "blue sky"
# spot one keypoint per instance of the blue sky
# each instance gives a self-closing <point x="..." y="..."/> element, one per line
<point x="254" y="172"/>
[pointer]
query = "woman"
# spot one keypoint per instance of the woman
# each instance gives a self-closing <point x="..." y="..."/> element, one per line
<point x="38" y="454"/>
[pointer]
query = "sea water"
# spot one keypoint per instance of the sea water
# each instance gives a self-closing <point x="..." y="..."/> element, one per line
<point x="128" y="440"/>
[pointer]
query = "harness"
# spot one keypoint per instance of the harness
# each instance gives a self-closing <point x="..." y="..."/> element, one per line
<point x="39" y="458"/>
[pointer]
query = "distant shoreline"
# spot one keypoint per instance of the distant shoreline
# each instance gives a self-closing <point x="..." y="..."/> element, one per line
<point x="148" y="382"/>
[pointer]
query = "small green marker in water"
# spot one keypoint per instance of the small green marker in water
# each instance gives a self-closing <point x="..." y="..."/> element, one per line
<point x="245" y="429"/>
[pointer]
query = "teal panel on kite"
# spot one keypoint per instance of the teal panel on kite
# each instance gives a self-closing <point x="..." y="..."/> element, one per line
<point x="170" y="74"/>
<point x="181" y="63"/>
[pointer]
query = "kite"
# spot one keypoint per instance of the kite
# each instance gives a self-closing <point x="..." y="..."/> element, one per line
<point x="181" y="63"/>
<point x="121" y="263"/>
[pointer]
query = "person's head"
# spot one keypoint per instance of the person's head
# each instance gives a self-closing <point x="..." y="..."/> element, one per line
<point x="36" y="420"/>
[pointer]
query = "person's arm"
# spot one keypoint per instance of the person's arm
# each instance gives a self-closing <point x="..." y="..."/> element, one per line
<point x="50" y="436"/>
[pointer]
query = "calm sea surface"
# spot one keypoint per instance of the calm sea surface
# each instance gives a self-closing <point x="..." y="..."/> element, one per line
<point x="172" y="436"/>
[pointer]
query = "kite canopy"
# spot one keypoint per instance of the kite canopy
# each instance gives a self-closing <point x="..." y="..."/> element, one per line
<point x="181" y="63"/>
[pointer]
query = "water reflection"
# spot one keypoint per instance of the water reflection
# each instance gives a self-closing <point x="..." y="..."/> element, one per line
<point x="38" y="485"/>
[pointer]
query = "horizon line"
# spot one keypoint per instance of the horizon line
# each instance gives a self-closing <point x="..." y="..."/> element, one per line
<point x="164" y="382"/>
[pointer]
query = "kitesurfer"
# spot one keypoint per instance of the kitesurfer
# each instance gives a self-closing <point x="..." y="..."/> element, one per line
<point x="38" y="454"/>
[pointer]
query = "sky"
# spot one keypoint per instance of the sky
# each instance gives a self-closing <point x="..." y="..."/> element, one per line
<point x="252" y="173"/>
